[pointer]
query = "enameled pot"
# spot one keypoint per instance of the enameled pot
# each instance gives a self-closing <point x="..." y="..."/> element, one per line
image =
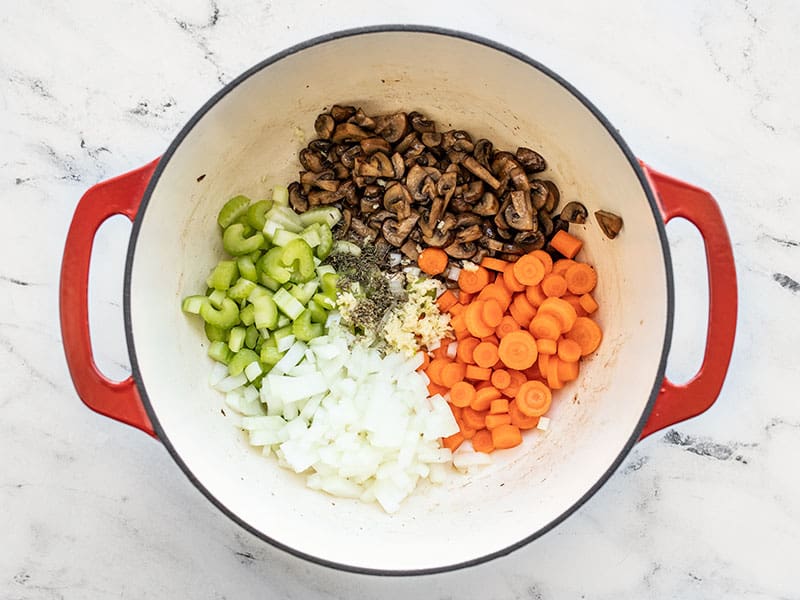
<point x="244" y="140"/>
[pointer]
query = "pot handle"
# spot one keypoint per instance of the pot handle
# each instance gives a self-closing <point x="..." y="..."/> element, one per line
<point x="676" y="403"/>
<point x="121" y="195"/>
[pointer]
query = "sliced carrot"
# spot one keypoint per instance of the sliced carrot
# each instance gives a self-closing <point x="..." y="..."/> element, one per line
<point x="482" y="441"/>
<point x="492" y="313"/>
<point x="474" y="281"/>
<point x="482" y="385"/>
<point x="454" y="441"/>
<point x="478" y="373"/>
<point x="498" y="292"/>
<point x="493" y="421"/>
<point x="462" y="394"/>
<point x="506" y="436"/>
<point x="568" y="371"/>
<point x="546" y="345"/>
<point x="554" y="285"/>
<point x="535" y="295"/>
<point x="457" y="308"/>
<point x="575" y="302"/>
<point x="485" y="354"/>
<point x="588" y="303"/>
<point x="446" y="300"/>
<point x="498" y="406"/>
<point x="533" y="372"/>
<point x="458" y="322"/>
<point x="560" y="309"/>
<point x="461" y="334"/>
<point x="569" y="350"/>
<point x="520" y="419"/>
<point x="562" y="264"/>
<point x="581" y="278"/>
<point x="465" y="349"/>
<point x="434" y="371"/>
<point x="507" y="325"/>
<point x="494" y="264"/>
<point x="529" y="270"/>
<point x="464" y="297"/>
<point x="533" y="398"/>
<point x="432" y="260"/>
<point x="522" y="310"/>
<point x="452" y="373"/>
<point x="468" y="432"/>
<point x="544" y="364"/>
<point x="492" y="339"/>
<point x="518" y="350"/>
<point x="587" y="333"/>
<point x="473" y="418"/>
<point x="545" y="326"/>
<point x="547" y="260"/>
<point x="434" y="389"/>
<point x="501" y="379"/>
<point x="483" y="398"/>
<point x="553" y="380"/>
<point x="566" y="243"/>
<point x="473" y="318"/>
<point x="517" y="379"/>
<point x="441" y="351"/>
<point x="510" y="280"/>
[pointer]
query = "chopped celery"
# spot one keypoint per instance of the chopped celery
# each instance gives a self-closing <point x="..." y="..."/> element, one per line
<point x="247" y="268"/>
<point x="256" y="214"/>
<point x="311" y="235"/>
<point x="220" y="352"/>
<point x="318" y="312"/>
<point x="303" y="329"/>
<point x="236" y="338"/>
<point x="240" y="360"/>
<point x="298" y="255"/>
<point x="280" y="195"/>
<point x="193" y="304"/>
<point x="283" y="321"/>
<point x="322" y="269"/>
<point x="241" y="289"/>
<point x="285" y="218"/>
<point x="216" y="334"/>
<point x="271" y="265"/>
<point x="258" y="292"/>
<point x="266" y="313"/>
<point x="329" y="215"/>
<point x="223" y="275"/>
<point x="288" y="304"/>
<point x="282" y="333"/>
<point x="233" y="209"/>
<point x="325" y="301"/>
<point x="268" y="282"/>
<point x="328" y="283"/>
<point x="304" y="292"/>
<point x="251" y="337"/>
<point x="325" y="242"/>
<point x="247" y="315"/>
<point x="269" y="352"/>
<point x="226" y="317"/>
<point x="283" y="237"/>
<point x="235" y="242"/>
<point x="216" y="298"/>
<point x="345" y="247"/>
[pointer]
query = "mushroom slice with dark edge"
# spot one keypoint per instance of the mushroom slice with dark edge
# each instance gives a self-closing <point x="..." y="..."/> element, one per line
<point x="463" y="142"/>
<point x="574" y="212"/>
<point x="519" y="211"/>
<point x="393" y="127"/>
<point x="362" y="120"/>
<point x="374" y="144"/>
<point x="470" y="234"/>
<point x="519" y="179"/>
<point x="446" y="185"/>
<point x="324" y="180"/>
<point x="431" y="139"/>
<point x="531" y="161"/>
<point x="362" y="230"/>
<point x="437" y="238"/>
<point x="348" y="158"/>
<point x="324" y="126"/>
<point x="545" y="223"/>
<point x="397" y="199"/>
<point x="484" y="152"/>
<point x="420" y="123"/>
<point x="296" y="198"/>
<point x="342" y="113"/>
<point x="529" y="240"/>
<point x="312" y="161"/>
<point x="474" y="192"/>
<point x="610" y="223"/>
<point x="383" y="163"/>
<point x="553" y="196"/>
<point x="481" y="172"/>
<point x="487" y="206"/>
<point x="318" y="197"/>
<point x="409" y="248"/>
<point x="395" y="232"/>
<point x="460" y="250"/>
<point x="347" y="219"/>
<point x="399" y="165"/>
<point x="505" y="247"/>
<point x="539" y="193"/>
<point x="348" y="132"/>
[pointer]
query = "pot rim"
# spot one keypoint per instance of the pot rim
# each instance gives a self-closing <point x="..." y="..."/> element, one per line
<point x="392" y="28"/>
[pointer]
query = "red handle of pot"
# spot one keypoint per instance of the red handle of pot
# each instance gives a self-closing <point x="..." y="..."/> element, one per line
<point x="119" y="400"/>
<point x="677" y="403"/>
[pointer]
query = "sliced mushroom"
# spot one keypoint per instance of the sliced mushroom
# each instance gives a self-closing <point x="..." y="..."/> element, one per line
<point x="409" y="248"/>
<point x="481" y="172"/>
<point x="393" y="127"/>
<point x="505" y="247"/>
<point x="479" y="255"/>
<point x="369" y="205"/>
<point x="458" y="204"/>
<point x="469" y="234"/>
<point x="531" y="161"/>
<point x="539" y="193"/>
<point x="397" y="199"/>
<point x="347" y="219"/>
<point x="395" y="232"/>
<point x="340" y="171"/>
<point x="519" y="179"/>
<point x="296" y="198"/>
<point x="484" y="152"/>
<point x="321" y="146"/>
<point x="342" y="113"/>
<point x="414" y="151"/>
<point x="529" y="240"/>
<point x="553" y="196"/>
<point x="362" y="120"/>
<point x="461" y="250"/>
<point x="348" y="132"/>
<point x="420" y="123"/>
<point x="318" y="197"/>
<point x="574" y="212"/>
<point x="406" y="142"/>
<point x="374" y="144"/>
<point x="379" y="217"/>
<point x="438" y="239"/>
<point x="504" y="233"/>
<point x="545" y="223"/>
<point x="324" y="180"/>
<point x="474" y="192"/>
<point x="383" y="163"/>
<point x="348" y="157"/>
<point x="431" y="139"/>
<point x="456" y="157"/>
<point x="519" y="211"/>
<point x="324" y="126"/>
<point x="399" y="165"/>
<point x="462" y="142"/>
<point x="610" y="223"/>
<point x="560" y="224"/>
<point x="487" y="206"/>
<point x="446" y="186"/>
<point x="362" y="230"/>
<point x="312" y="161"/>
<point x="348" y="191"/>
<point x="414" y="178"/>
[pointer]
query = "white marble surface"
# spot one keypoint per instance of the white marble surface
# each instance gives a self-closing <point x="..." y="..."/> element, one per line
<point x="706" y="91"/>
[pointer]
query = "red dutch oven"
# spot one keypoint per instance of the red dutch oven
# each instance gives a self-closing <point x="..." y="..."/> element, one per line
<point x="244" y="140"/>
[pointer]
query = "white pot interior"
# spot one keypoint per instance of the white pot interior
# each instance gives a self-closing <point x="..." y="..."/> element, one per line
<point x="249" y="141"/>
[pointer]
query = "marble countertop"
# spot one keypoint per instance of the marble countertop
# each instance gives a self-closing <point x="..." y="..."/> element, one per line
<point x="706" y="91"/>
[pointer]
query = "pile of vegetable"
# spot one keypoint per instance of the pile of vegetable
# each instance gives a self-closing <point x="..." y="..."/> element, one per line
<point x="413" y="301"/>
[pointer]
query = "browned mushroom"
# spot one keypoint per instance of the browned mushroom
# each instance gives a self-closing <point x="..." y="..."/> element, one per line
<point x="406" y="142"/>
<point x="318" y="197"/>
<point x="379" y="217"/>
<point x="397" y="199"/>
<point x="474" y="192"/>
<point x="296" y="198"/>
<point x="347" y="219"/>
<point x="529" y="240"/>
<point x="481" y="172"/>
<point x="409" y="248"/>
<point x="348" y="191"/>
<point x="312" y="161"/>
<point x="348" y="157"/>
<point x="488" y="205"/>
<point x="484" y="152"/>
<point x="461" y="250"/>
<point x="519" y="179"/>
<point x="469" y="234"/>
<point x="539" y="193"/>
<point x="553" y="196"/>
<point x="574" y="212"/>
<point x="374" y="144"/>
<point x="392" y="127"/>
<point x="321" y="146"/>
<point x="362" y="120"/>
<point x="462" y="142"/>
<point x="369" y="205"/>
<point x="348" y="132"/>
<point x="446" y="186"/>
<point x="431" y="139"/>
<point x="395" y="232"/>
<point x="438" y="239"/>
<point x="610" y="223"/>
<point x="342" y="113"/>
<point x="324" y="126"/>
<point x="545" y="223"/>
<point x="362" y="230"/>
<point x="324" y="180"/>
<point x="420" y="123"/>
<point x="399" y="165"/>
<point x="531" y="161"/>
<point x="518" y="211"/>
<point x="505" y="247"/>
